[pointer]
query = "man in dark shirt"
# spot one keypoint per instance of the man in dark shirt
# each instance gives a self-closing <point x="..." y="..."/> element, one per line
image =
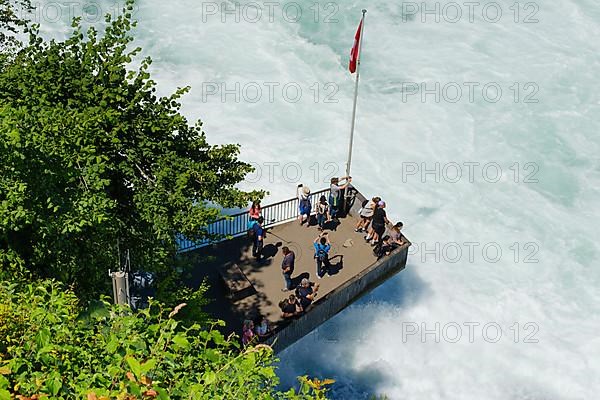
<point x="287" y="267"/>
<point x="306" y="293"/>
<point x="259" y="235"/>
<point x="378" y="223"/>
<point x="291" y="307"/>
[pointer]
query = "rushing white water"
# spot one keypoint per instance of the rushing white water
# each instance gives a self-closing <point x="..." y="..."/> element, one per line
<point x="537" y="204"/>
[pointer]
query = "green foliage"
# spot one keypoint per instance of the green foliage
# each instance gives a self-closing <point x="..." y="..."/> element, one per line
<point x="90" y="155"/>
<point x="172" y="288"/>
<point x="52" y="349"/>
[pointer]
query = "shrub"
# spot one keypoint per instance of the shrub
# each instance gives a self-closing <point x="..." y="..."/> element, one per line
<point x="53" y="348"/>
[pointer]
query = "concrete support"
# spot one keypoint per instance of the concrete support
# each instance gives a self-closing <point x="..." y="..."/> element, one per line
<point x="120" y="282"/>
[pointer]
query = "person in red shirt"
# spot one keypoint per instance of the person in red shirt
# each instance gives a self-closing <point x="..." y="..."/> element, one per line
<point x="255" y="210"/>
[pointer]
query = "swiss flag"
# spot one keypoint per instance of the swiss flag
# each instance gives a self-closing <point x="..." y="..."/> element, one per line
<point x="354" y="51"/>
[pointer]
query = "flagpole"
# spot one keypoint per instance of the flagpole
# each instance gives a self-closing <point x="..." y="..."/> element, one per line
<point x="362" y="27"/>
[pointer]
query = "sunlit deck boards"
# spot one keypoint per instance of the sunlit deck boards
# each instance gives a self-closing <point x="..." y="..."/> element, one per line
<point x="266" y="276"/>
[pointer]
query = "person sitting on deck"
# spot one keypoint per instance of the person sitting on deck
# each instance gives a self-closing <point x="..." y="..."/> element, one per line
<point x="397" y="236"/>
<point x="247" y="332"/>
<point x="322" y="247"/>
<point x="335" y="195"/>
<point x="304" y="206"/>
<point x="259" y="234"/>
<point x="290" y="307"/>
<point x="306" y="293"/>
<point x="255" y="211"/>
<point x="287" y="267"/>
<point x="322" y="212"/>
<point x="384" y="247"/>
<point x="263" y="330"/>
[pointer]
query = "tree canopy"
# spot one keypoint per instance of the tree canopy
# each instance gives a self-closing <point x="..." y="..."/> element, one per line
<point x="90" y="157"/>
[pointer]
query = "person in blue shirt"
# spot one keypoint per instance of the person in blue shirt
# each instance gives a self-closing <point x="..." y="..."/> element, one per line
<point x="322" y="247"/>
<point x="259" y="235"/>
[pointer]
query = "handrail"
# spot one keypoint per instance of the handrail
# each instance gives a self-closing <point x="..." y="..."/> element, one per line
<point x="235" y="225"/>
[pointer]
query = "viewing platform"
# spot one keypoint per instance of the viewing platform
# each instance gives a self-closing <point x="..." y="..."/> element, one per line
<point x="243" y="288"/>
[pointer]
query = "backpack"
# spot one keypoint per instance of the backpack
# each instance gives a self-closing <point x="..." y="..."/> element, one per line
<point x="321" y="253"/>
<point x="381" y="249"/>
<point x="305" y="205"/>
<point x="322" y="208"/>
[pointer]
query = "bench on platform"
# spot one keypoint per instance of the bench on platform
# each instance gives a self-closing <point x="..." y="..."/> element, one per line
<point x="237" y="284"/>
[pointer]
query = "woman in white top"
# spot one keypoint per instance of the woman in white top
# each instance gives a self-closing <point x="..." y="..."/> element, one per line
<point x="366" y="214"/>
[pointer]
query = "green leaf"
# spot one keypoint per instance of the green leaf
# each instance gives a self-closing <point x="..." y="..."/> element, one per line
<point x="148" y="366"/>
<point x="53" y="385"/>
<point x="42" y="338"/>
<point x="181" y="341"/>
<point x="135" y="366"/>
<point x="209" y="377"/>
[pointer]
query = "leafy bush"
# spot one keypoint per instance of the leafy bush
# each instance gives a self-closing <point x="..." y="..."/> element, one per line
<point x="91" y="157"/>
<point x="52" y="348"/>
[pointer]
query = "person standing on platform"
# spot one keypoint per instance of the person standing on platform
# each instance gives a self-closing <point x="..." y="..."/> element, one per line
<point x="259" y="234"/>
<point x="378" y="223"/>
<point x="366" y="213"/>
<point x="254" y="214"/>
<point x="304" y="206"/>
<point x="335" y="199"/>
<point x="255" y="210"/>
<point x="322" y="247"/>
<point x="322" y="212"/>
<point x="287" y="267"/>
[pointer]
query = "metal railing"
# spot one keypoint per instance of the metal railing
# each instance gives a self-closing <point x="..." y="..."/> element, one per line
<point x="237" y="224"/>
